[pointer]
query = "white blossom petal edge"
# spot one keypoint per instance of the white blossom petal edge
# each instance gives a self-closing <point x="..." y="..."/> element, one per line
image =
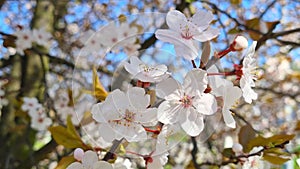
<point x="122" y="115"/>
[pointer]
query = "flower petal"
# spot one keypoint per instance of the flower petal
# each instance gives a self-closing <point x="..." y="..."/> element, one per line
<point x="107" y="132"/>
<point x="175" y="19"/>
<point x="89" y="158"/>
<point x="112" y="108"/>
<point x="195" y="80"/>
<point x="138" y="100"/>
<point x="75" y="165"/>
<point x="202" y="19"/>
<point x="207" y="35"/>
<point x="167" y="35"/>
<point x="134" y="133"/>
<point x="228" y="118"/>
<point x="102" y="165"/>
<point x="192" y="123"/>
<point x="148" y="117"/>
<point x="206" y="104"/>
<point x="166" y="113"/>
<point x="166" y="87"/>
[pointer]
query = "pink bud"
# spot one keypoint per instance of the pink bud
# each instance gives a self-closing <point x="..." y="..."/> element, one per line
<point x="237" y="148"/>
<point x="240" y="43"/>
<point x="78" y="154"/>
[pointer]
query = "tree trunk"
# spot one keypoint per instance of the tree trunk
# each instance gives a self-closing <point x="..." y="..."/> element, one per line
<point x="26" y="79"/>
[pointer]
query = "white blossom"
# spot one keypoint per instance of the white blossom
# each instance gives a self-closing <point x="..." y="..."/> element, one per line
<point x="91" y="41"/>
<point x="42" y="37"/>
<point x="183" y="31"/>
<point x="24" y="40"/>
<point x="88" y="161"/>
<point x="188" y="104"/>
<point x="123" y="115"/>
<point x="145" y="73"/>
<point x="30" y="104"/>
<point x="255" y="162"/>
<point x="248" y="77"/>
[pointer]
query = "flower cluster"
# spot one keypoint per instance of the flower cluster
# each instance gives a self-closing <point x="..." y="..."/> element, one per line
<point x="26" y="37"/>
<point x="132" y="116"/>
<point x="65" y="106"/>
<point x="254" y="161"/>
<point x="36" y="111"/>
<point x="111" y="37"/>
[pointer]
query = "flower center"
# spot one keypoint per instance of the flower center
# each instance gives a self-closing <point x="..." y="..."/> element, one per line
<point x="185" y="32"/>
<point x="129" y="116"/>
<point x="186" y="101"/>
<point x="126" y="120"/>
<point x="147" y="68"/>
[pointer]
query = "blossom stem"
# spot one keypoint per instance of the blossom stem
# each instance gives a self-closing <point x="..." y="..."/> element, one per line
<point x="152" y="131"/>
<point x="134" y="153"/>
<point x="225" y="52"/>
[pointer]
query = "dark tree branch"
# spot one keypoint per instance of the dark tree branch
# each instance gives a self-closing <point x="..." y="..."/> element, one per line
<point x="238" y="23"/>
<point x="268" y="7"/>
<point x="293" y="96"/>
<point x="288" y="43"/>
<point x="236" y="159"/>
<point x="194" y="153"/>
<point x="283" y="33"/>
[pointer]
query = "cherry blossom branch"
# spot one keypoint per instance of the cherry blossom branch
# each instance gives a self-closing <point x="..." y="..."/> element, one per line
<point x="110" y="154"/>
<point x="243" y="119"/>
<point x="293" y="96"/>
<point x="215" y="7"/>
<point x="194" y="64"/>
<point x="267" y="8"/>
<point x="288" y="42"/>
<point x="194" y="153"/>
<point x="283" y="33"/>
<point x="57" y="60"/>
<point x="236" y="159"/>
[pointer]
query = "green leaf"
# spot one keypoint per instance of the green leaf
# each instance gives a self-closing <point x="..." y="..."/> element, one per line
<point x="275" y="159"/>
<point x="235" y="2"/>
<point x="234" y="30"/>
<point x="277" y="151"/>
<point x="253" y="24"/>
<point x="65" y="162"/>
<point x="68" y="137"/>
<point x="297" y="128"/>
<point x="227" y="152"/>
<point x="245" y="135"/>
<point x="99" y="92"/>
<point x="269" y="142"/>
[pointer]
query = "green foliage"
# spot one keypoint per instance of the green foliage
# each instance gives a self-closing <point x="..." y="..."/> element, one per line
<point x="65" y="162"/>
<point x="99" y="92"/>
<point x="245" y="135"/>
<point x="68" y="137"/>
<point x="269" y="142"/>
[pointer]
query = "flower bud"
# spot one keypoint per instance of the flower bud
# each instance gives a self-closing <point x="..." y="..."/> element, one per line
<point x="237" y="148"/>
<point x="239" y="43"/>
<point x="78" y="154"/>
